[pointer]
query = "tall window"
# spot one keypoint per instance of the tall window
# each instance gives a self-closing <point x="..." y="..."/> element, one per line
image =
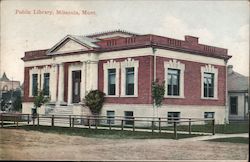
<point x="233" y="105"/>
<point x="111" y="81"/>
<point x="34" y="84"/>
<point x="173" y="82"/>
<point x="208" y="85"/>
<point x="46" y="77"/>
<point x="111" y="117"/>
<point x="130" y="81"/>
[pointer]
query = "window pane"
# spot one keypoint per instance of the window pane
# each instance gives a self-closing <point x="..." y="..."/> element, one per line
<point x="209" y="115"/>
<point x="129" y="81"/>
<point x="46" y="83"/>
<point x="129" y="115"/>
<point x="234" y="105"/>
<point x="111" y="117"/>
<point x="34" y="84"/>
<point x="173" y="82"/>
<point x="173" y="116"/>
<point x="111" y="81"/>
<point x="208" y="85"/>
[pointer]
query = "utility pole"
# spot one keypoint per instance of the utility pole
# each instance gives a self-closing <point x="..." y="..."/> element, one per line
<point x="154" y="71"/>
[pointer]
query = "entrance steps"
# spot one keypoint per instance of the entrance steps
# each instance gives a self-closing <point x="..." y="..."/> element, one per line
<point x="61" y="112"/>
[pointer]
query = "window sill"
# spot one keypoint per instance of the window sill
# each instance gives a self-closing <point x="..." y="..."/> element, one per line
<point x="177" y="97"/>
<point x="132" y="96"/>
<point x="112" y="96"/>
<point x="209" y="98"/>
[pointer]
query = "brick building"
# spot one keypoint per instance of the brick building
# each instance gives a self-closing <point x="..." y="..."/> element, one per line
<point x="123" y="65"/>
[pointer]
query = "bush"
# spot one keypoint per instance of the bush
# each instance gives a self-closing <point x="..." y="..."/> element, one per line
<point x="94" y="100"/>
<point x="40" y="99"/>
<point x="158" y="91"/>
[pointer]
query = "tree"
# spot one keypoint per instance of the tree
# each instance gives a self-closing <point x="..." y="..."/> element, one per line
<point x="11" y="99"/>
<point x="94" y="100"/>
<point x="158" y="91"/>
<point x="40" y="99"/>
<point x="17" y="103"/>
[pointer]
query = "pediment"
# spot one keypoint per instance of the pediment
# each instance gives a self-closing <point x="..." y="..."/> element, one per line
<point x="71" y="44"/>
<point x="68" y="46"/>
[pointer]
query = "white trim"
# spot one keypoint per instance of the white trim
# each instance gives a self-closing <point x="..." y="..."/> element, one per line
<point x="111" y="65"/>
<point x="209" y="69"/>
<point x="61" y="83"/>
<point x="125" y="54"/>
<point x="32" y="71"/>
<point x="174" y="64"/>
<point x="44" y="70"/>
<point x="125" y="64"/>
<point x="53" y="82"/>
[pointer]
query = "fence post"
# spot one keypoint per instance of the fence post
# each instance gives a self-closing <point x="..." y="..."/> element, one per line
<point x="17" y="120"/>
<point x="52" y="120"/>
<point x="2" y="120"/>
<point x="33" y="120"/>
<point x="28" y="119"/>
<point x="37" y="119"/>
<point x="122" y="125"/>
<point x="189" y="126"/>
<point x="152" y="125"/>
<point x="213" y="126"/>
<point x="95" y="123"/>
<point x="159" y="125"/>
<point x="109" y="124"/>
<point x="133" y="125"/>
<point x="73" y="122"/>
<point x="88" y="122"/>
<point x="69" y="120"/>
<point x="175" y="130"/>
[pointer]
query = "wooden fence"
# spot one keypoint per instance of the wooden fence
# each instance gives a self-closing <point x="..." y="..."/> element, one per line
<point x="106" y="122"/>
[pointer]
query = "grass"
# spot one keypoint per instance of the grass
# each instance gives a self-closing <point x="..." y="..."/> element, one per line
<point x="232" y="140"/>
<point x="232" y="128"/>
<point x="101" y="133"/>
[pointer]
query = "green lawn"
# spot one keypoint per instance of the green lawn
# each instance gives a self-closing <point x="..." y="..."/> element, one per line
<point x="101" y="133"/>
<point x="232" y="140"/>
<point x="231" y="128"/>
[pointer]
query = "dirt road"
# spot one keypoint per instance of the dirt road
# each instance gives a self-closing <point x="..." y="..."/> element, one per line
<point x="31" y="145"/>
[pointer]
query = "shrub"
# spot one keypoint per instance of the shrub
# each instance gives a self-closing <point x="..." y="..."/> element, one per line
<point x="94" y="100"/>
<point x="158" y="91"/>
<point x="40" y="99"/>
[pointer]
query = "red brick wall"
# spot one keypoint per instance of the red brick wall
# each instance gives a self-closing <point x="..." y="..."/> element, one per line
<point x="145" y="76"/>
<point x="192" y="83"/>
<point x="26" y="87"/>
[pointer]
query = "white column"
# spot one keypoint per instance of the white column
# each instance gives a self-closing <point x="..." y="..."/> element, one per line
<point x="69" y="85"/>
<point x="83" y="80"/>
<point x="52" y="83"/>
<point x="61" y="83"/>
<point x="94" y="75"/>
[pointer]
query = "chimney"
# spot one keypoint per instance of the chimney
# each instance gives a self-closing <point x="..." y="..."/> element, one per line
<point x="191" y="39"/>
<point x="230" y="69"/>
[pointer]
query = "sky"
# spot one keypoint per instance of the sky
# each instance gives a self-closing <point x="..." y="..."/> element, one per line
<point x="217" y="23"/>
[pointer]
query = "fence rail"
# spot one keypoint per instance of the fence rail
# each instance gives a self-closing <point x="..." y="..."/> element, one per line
<point x="138" y="123"/>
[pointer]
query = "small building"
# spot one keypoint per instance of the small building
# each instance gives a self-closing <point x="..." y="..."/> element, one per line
<point x="6" y="84"/>
<point x="238" y="87"/>
<point x="123" y="65"/>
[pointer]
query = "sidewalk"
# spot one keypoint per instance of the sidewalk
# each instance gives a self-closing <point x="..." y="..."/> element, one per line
<point x="203" y="138"/>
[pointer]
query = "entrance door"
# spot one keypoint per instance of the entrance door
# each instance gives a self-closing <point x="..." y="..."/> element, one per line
<point x="76" y="86"/>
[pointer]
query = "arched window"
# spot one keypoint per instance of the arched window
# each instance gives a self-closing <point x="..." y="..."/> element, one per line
<point x="5" y="88"/>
